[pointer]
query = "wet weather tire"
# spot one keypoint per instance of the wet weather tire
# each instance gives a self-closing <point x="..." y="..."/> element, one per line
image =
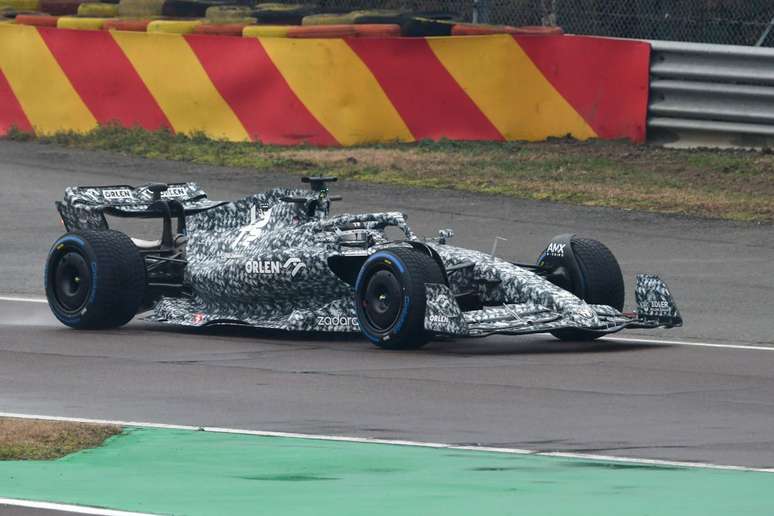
<point x="94" y="279"/>
<point x="601" y="280"/>
<point x="390" y="297"/>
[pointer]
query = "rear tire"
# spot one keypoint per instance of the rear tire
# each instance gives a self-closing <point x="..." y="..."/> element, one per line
<point x="601" y="282"/>
<point x="390" y="297"/>
<point x="94" y="279"/>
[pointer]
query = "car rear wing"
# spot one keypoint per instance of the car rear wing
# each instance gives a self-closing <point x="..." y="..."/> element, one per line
<point x="125" y="195"/>
<point x="85" y="207"/>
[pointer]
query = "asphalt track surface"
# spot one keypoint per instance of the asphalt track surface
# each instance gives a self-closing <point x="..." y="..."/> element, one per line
<point x="713" y="405"/>
<point x="10" y="510"/>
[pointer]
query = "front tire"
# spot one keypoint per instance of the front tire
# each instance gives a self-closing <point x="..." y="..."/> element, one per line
<point x="94" y="279"/>
<point x="390" y="297"/>
<point x="601" y="283"/>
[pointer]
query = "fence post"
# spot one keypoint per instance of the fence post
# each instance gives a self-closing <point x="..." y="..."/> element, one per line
<point x="765" y="34"/>
<point x="480" y="11"/>
<point x="549" y="13"/>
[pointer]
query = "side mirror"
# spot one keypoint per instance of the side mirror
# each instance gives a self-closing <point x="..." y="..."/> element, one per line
<point x="444" y="235"/>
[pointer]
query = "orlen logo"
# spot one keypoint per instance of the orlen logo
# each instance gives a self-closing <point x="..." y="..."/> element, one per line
<point x="292" y="267"/>
<point x="117" y="194"/>
<point x="173" y="191"/>
<point x="555" y="249"/>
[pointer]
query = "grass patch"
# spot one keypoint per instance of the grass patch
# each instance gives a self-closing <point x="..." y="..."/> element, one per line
<point x="28" y="439"/>
<point x="727" y="184"/>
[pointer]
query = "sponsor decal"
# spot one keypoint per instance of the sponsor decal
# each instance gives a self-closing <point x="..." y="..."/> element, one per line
<point x="344" y="323"/>
<point x="292" y="267"/>
<point x="263" y="267"/>
<point x="442" y="319"/>
<point x="117" y="194"/>
<point x="173" y="192"/>
<point x="555" y="249"/>
<point x="657" y="307"/>
<point x="198" y="317"/>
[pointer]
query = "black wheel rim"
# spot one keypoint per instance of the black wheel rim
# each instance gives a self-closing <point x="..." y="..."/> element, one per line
<point x="383" y="300"/>
<point x="72" y="281"/>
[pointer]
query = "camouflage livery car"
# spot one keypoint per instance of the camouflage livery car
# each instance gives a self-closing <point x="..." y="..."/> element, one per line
<point x="280" y="260"/>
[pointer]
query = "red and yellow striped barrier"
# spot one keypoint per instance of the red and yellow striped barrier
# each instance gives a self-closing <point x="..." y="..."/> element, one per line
<point x="324" y="91"/>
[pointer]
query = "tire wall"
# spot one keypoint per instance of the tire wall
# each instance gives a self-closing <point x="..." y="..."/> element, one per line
<point x="335" y="91"/>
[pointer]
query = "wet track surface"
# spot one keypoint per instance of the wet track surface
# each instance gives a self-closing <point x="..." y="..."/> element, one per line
<point x="616" y="398"/>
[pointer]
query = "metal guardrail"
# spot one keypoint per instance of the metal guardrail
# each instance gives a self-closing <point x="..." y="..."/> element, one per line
<point x="718" y="91"/>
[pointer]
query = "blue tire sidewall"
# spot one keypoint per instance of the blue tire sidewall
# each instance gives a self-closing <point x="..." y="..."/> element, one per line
<point x="76" y="242"/>
<point x="397" y="266"/>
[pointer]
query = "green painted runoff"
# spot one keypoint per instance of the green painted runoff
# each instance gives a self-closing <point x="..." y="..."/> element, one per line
<point x="202" y="473"/>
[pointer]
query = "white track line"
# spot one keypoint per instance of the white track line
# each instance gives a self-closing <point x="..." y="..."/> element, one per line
<point x="420" y="444"/>
<point x="688" y="343"/>
<point x="24" y="299"/>
<point x="63" y="507"/>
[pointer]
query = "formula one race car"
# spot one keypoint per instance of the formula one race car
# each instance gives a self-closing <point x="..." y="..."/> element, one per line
<point x="279" y="260"/>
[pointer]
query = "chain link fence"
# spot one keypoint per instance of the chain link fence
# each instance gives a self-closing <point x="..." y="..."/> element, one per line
<point x="731" y="22"/>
